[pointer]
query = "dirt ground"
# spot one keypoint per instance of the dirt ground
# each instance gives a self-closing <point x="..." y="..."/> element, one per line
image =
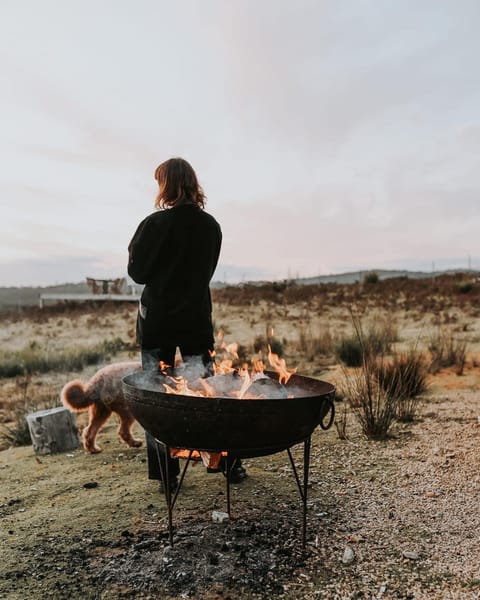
<point x="392" y="519"/>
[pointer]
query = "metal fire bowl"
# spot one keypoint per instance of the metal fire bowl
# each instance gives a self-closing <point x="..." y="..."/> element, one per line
<point x="244" y="428"/>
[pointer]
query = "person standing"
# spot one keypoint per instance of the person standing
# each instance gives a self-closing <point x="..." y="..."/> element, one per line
<point x="174" y="252"/>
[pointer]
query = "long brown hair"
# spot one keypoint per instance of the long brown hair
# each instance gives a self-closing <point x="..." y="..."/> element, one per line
<point x="178" y="184"/>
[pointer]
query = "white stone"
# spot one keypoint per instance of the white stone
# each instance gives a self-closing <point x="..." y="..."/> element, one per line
<point x="348" y="555"/>
<point x="219" y="517"/>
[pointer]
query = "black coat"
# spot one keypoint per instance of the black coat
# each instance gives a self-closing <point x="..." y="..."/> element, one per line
<point x="174" y="252"/>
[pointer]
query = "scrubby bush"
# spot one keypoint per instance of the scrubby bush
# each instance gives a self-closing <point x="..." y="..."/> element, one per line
<point x="371" y="278"/>
<point x="377" y="339"/>
<point x="381" y="390"/>
<point x="350" y="351"/>
<point x="465" y="287"/>
<point x="373" y="406"/>
<point x="405" y="377"/>
<point x="314" y="343"/>
<point x="446" y="350"/>
<point x="262" y="345"/>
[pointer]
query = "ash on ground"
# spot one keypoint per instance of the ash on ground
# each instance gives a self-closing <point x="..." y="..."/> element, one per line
<point x="245" y="554"/>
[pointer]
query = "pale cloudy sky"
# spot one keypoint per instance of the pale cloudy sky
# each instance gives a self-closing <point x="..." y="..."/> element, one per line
<point x="329" y="135"/>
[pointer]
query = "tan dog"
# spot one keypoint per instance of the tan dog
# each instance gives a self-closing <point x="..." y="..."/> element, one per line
<point x="102" y="395"/>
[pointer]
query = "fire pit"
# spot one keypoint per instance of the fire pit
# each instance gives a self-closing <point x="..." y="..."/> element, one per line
<point x="242" y="428"/>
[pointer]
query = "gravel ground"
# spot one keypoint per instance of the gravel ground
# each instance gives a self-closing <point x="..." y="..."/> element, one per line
<point x="394" y="519"/>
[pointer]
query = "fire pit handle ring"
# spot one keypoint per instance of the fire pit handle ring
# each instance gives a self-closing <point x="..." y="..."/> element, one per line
<point x="331" y="412"/>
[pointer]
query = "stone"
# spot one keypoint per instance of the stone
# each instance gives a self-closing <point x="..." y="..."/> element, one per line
<point x="348" y="555"/>
<point x="219" y="517"/>
<point x="53" y="430"/>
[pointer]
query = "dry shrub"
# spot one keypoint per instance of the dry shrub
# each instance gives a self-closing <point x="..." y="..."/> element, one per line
<point x="314" y="343"/>
<point x="405" y="376"/>
<point x="446" y="350"/>
<point x="377" y="339"/>
<point x="371" y="278"/>
<point x="374" y="406"/>
<point x="263" y="344"/>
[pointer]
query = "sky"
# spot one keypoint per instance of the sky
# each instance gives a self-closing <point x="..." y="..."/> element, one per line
<point x="329" y="135"/>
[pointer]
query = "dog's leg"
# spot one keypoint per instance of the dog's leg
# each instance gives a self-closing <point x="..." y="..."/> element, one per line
<point x="126" y="422"/>
<point x="99" y="413"/>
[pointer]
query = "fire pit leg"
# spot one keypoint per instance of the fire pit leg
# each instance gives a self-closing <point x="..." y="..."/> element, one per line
<point x="303" y="489"/>
<point x="164" y="472"/>
<point x="166" y="482"/>
<point x="227" y="473"/>
<point x="306" y="468"/>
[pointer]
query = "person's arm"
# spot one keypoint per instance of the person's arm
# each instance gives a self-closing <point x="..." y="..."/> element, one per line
<point x="218" y="245"/>
<point x="142" y="251"/>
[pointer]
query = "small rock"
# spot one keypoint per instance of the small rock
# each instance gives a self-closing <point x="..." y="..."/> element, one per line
<point x="219" y="517"/>
<point x="431" y="495"/>
<point x="90" y="485"/>
<point x="348" y="555"/>
<point x="411" y="555"/>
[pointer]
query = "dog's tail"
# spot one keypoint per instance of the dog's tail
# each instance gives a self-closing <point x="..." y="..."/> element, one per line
<point x="74" y="396"/>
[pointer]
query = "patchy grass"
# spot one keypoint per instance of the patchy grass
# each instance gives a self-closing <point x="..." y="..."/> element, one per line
<point x="35" y="359"/>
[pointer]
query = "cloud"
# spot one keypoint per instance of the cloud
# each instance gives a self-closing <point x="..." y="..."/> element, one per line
<point x="325" y="135"/>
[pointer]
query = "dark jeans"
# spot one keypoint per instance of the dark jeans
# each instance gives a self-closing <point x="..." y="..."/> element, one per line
<point x="150" y="362"/>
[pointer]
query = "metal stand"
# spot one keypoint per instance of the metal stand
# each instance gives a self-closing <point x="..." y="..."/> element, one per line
<point x="303" y="489"/>
<point x="229" y="465"/>
<point x="164" y="472"/>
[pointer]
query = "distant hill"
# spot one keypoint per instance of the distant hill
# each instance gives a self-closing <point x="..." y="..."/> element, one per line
<point x="358" y="276"/>
<point x="12" y="298"/>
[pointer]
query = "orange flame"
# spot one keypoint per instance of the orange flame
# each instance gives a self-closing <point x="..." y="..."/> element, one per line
<point x="182" y="388"/>
<point x="280" y="366"/>
<point x="231" y="348"/>
<point x="163" y="367"/>
<point x="224" y="367"/>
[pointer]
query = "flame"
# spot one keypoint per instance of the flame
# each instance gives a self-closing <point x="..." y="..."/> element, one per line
<point x="181" y="388"/>
<point x="258" y="366"/>
<point x="280" y="366"/>
<point x="224" y="367"/>
<point x="209" y="391"/>
<point x="163" y="367"/>
<point x="179" y="385"/>
<point x="231" y="348"/>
